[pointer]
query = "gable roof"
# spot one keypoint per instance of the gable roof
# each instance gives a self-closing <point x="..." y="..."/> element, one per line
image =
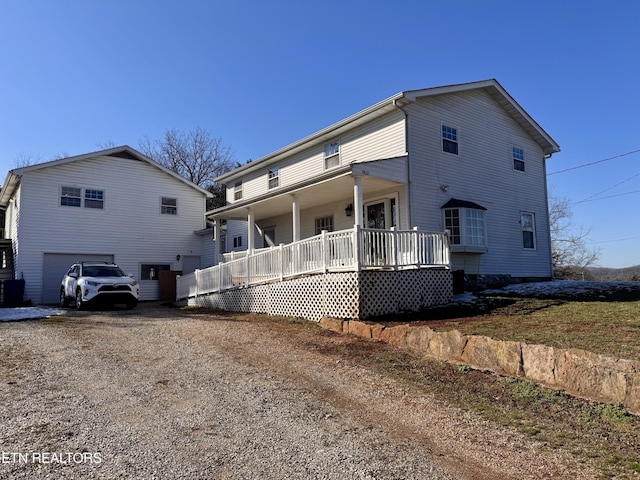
<point x="13" y="176"/>
<point x="399" y="100"/>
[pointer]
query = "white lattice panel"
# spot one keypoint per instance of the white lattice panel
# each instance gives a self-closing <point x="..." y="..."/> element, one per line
<point x="341" y="295"/>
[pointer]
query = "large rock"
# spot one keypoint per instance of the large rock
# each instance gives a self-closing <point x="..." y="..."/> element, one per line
<point x="498" y="356"/>
<point x="330" y="323"/>
<point x="358" y="328"/>
<point x="591" y="376"/>
<point x="396" y="336"/>
<point x="447" y="345"/>
<point x="539" y="364"/>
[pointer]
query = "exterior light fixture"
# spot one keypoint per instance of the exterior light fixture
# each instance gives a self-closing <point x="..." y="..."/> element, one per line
<point x="178" y="258"/>
<point x="349" y="210"/>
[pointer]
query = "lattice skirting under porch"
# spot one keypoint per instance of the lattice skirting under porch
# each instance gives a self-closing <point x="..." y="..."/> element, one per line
<point x="352" y="295"/>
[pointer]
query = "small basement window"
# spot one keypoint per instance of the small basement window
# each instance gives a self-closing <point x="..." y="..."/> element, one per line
<point x="152" y="271"/>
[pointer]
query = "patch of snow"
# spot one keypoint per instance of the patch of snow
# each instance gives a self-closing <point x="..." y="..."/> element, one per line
<point x="566" y="287"/>
<point x="27" y="313"/>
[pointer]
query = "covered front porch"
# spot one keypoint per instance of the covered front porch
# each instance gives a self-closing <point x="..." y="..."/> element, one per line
<point x="356" y="273"/>
<point x="369" y="194"/>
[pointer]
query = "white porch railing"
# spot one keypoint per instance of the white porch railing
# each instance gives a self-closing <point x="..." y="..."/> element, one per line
<point x="345" y="250"/>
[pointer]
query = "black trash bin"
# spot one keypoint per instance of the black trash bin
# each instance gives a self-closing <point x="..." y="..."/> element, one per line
<point x="13" y="293"/>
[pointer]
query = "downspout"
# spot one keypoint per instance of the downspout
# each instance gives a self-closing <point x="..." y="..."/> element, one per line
<point x="406" y="144"/>
<point x="546" y="200"/>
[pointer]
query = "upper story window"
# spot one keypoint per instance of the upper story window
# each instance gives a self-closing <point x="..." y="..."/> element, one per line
<point x="237" y="190"/>
<point x="169" y="206"/>
<point x="449" y="139"/>
<point x="324" y="223"/>
<point x="74" y="197"/>
<point x="71" y="197"/>
<point x="528" y="224"/>
<point x="466" y="224"/>
<point x="518" y="158"/>
<point x="93" y="198"/>
<point x="274" y="177"/>
<point x="332" y="155"/>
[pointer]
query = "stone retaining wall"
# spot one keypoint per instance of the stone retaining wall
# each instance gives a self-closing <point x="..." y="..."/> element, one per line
<point x="577" y="372"/>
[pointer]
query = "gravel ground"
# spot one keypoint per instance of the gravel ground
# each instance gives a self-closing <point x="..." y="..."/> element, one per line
<point x="167" y="393"/>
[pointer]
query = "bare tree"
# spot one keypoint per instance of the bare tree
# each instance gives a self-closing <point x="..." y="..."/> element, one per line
<point x="195" y="155"/>
<point x="571" y="255"/>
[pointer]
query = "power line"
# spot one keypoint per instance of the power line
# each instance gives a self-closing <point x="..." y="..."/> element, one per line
<point x="593" y="163"/>
<point x="609" y="188"/>
<point x="617" y="240"/>
<point x="604" y="198"/>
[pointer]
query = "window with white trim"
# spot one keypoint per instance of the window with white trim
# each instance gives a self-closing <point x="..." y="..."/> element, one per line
<point x="518" y="158"/>
<point x="169" y="206"/>
<point x="237" y="190"/>
<point x="324" y="223"/>
<point x="332" y="155"/>
<point x="93" y="198"/>
<point x="81" y="197"/>
<point x="274" y="177"/>
<point x="152" y="271"/>
<point x="237" y="241"/>
<point x="466" y="226"/>
<point x="71" y="197"/>
<point x="449" y="139"/>
<point x="528" y="224"/>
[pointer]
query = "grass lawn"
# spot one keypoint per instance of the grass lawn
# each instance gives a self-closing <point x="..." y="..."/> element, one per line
<point x="610" y="328"/>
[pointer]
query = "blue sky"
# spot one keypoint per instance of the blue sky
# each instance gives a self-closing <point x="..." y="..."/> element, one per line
<point x="76" y="75"/>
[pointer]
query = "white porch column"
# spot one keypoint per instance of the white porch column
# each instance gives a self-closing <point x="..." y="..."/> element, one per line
<point x="295" y="207"/>
<point x="217" y="238"/>
<point x="251" y="230"/>
<point x="357" y="201"/>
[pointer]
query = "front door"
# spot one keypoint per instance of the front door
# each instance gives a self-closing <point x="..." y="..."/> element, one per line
<point x="375" y="215"/>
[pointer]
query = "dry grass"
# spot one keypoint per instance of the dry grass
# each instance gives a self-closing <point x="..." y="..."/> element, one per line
<point x="607" y="328"/>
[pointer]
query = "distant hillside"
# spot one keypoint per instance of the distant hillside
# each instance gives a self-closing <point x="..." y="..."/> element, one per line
<point x="615" y="274"/>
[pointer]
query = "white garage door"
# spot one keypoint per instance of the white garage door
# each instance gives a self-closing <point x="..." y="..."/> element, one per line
<point x="56" y="265"/>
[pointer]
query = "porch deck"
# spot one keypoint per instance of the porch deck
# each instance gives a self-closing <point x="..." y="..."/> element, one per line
<point x="353" y="250"/>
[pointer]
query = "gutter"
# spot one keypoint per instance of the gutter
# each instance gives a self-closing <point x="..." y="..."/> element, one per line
<point x="396" y="104"/>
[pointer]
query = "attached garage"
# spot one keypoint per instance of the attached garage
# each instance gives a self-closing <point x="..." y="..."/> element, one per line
<point x="56" y="265"/>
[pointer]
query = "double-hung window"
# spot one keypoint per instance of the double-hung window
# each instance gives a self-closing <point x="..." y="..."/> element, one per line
<point x="82" y="197"/>
<point x="332" y="155"/>
<point x="466" y="224"/>
<point x="93" y="198"/>
<point x="237" y="190"/>
<point x="274" y="177"/>
<point x="169" y="206"/>
<point x="71" y="197"/>
<point x="324" y="223"/>
<point x="449" y="139"/>
<point x="518" y="158"/>
<point x="528" y="224"/>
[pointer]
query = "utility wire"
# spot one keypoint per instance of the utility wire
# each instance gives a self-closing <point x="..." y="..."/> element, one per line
<point x="607" y="189"/>
<point x="603" y="198"/>
<point x="593" y="163"/>
<point x="617" y="240"/>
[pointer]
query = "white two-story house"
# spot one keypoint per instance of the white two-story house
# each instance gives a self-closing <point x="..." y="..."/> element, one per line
<point x="463" y="158"/>
<point x="114" y="205"/>
<point x="466" y="159"/>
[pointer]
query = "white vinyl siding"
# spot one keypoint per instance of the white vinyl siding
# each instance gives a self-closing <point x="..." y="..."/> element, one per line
<point x="479" y="174"/>
<point x="379" y="139"/>
<point x="130" y="227"/>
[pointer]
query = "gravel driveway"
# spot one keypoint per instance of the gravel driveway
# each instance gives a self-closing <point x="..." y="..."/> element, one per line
<point x="166" y="393"/>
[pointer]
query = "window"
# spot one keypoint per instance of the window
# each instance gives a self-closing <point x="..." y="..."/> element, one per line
<point x="466" y="224"/>
<point x="70" y="197"/>
<point x="237" y="190"/>
<point x="237" y="241"/>
<point x="449" y="139"/>
<point x="324" y="223"/>
<point x="528" y="224"/>
<point x="169" y="206"/>
<point x="152" y="271"/>
<point x="93" y="198"/>
<point x="518" y="159"/>
<point x="274" y="177"/>
<point x="332" y="155"/>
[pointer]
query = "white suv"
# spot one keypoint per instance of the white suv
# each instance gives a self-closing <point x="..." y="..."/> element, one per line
<point x="98" y="283"/>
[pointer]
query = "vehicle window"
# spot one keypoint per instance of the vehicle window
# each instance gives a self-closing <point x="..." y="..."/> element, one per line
<point x="100" y="271"/>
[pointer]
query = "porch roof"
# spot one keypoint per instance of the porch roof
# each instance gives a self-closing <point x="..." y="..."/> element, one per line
<point x="332" y="186"/>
